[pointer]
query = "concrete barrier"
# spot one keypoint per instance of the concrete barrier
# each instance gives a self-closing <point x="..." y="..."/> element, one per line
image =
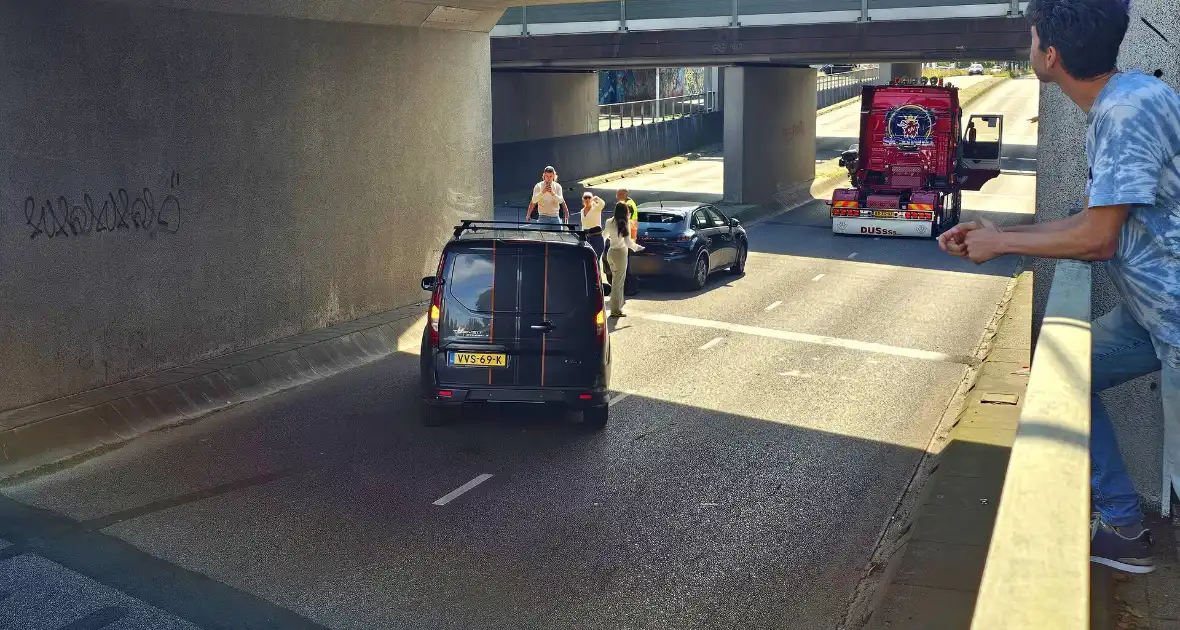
<point x="1038" y="572"/>
<point x="517" y="165"/>
<point x="53" y="431"/>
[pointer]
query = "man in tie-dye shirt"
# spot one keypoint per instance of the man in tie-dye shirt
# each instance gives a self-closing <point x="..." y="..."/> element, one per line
<point x="1132" y="221"/>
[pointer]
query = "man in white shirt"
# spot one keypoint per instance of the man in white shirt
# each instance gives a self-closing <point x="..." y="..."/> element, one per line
<point x="548" y="200"/>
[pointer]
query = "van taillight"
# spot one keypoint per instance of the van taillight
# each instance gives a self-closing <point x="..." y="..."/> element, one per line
<point x="436" y="303"/>
<point x="435" y="312"/>
<point x="600" y="315"/>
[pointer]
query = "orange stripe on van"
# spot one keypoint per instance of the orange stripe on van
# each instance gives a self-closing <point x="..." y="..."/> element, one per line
<point x="492" y="332"/>
<point x="545" y="311"/>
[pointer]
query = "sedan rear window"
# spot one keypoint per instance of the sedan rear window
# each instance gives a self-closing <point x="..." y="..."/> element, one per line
<point x="659" y="217"/>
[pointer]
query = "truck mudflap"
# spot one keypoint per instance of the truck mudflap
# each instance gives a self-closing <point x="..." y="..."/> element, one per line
<point x="882" y="227"/>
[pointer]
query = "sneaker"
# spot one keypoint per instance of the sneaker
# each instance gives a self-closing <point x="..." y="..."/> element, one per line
<point x="1124" y="548"/>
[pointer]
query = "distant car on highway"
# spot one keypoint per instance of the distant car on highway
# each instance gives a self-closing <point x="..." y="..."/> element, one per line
<point x="975" y="68"/>
<point x="516" y="316"/>
<point x="687" y="241"/>
<point x="835" y="68"/>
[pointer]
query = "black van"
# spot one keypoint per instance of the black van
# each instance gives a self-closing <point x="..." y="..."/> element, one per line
<point x="517" y="315"/>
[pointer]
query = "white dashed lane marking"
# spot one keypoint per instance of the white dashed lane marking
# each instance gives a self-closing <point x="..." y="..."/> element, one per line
<point x="711" y="344"/>
<point x="457" y="492"/>
<point x="774" y="305"/>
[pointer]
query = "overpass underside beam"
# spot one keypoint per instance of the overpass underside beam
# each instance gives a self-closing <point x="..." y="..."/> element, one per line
<point x="769" y="131"/>
<point x="992" y="38"/>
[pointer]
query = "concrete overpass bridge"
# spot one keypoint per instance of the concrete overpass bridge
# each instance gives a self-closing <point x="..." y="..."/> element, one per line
<point x="645" y="33"/>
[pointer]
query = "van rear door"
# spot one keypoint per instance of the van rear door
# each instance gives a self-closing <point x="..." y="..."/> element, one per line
<point x="478" y="316"/>
<point x="519" y="314"/>
<point x="558" y="336"/>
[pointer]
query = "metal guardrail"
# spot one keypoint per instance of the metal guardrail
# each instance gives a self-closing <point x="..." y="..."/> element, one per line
<point x="1037" y="574"/>
<point x="834" y="88"/>
<point x="635" y="113"/>
<point x="829" y="89"/>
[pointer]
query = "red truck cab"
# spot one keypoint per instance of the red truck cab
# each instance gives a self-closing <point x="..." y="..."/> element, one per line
<point x="913" y="161"/>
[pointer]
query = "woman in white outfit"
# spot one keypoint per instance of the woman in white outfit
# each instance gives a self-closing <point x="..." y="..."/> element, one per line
<point x="618" y="230"/>
<point x="592" y="206"/>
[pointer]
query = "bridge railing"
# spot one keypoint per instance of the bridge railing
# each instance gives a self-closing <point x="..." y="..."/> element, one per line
<point x="1037" y="573"/>
<point x="635" y="113"/>
<point x="834" y="88"/>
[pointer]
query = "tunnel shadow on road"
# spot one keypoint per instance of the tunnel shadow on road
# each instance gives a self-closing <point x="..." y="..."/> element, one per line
<point x="338" y="525"/>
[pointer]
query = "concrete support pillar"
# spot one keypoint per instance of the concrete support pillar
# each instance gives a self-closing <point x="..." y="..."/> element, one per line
<point x="1061" y="176"/>
<point x="769" y="131"/>
<point x="536" y="105"/>
<point x="891" y="71"/>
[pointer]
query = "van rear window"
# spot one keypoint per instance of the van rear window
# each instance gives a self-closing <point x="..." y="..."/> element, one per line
<point x="659" y="217"/>
<point x="471" y="280"/>
<point x="513" y="280"/>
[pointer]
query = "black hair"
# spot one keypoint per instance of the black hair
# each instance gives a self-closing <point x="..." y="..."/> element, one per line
<point x="1086" y="33"/>
<point x="622" y="223"/>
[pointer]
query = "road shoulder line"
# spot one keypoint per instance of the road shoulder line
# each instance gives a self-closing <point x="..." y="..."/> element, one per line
<point x="785" y="335"/>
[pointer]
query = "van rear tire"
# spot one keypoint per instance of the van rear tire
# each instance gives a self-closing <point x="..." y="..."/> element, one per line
<point x="437" y="415"/>
<point x="595" y="418"/>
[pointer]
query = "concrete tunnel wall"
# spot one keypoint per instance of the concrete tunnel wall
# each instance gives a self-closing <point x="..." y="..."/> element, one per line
<point x="177" y="184"/>
<point x="538" y="105"/>
<point x="1061" y="177"/>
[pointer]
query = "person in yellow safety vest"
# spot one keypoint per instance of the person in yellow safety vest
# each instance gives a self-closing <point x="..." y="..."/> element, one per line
<point x="623" y="196"/>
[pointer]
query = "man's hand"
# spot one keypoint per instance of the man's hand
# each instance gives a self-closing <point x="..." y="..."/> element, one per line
<point x="951" y="241"/>
<point x="984" y="243"/>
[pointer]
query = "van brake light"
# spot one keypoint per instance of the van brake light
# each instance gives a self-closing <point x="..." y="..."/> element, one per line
<point x="436" y="304"/>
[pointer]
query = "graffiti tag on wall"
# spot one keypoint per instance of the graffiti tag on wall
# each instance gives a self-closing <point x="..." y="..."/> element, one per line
<point x="119" y="211"/>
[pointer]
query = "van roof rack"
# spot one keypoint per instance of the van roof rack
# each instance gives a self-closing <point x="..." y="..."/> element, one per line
<point x="469" y="225"/>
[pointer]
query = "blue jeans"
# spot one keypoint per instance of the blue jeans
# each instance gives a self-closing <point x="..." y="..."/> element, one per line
<point x="551" y="220"/>
<point x="1123" y="351"/>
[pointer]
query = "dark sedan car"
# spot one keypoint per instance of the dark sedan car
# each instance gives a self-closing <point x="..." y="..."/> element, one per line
<point x="687" y="241"/>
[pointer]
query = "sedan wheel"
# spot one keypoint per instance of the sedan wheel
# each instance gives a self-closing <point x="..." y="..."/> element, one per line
<point x="700" y="272"/>
<point x="739" y="267"/>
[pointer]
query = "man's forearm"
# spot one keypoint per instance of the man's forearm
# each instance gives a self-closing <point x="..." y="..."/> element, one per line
<point x="1048" y="226"/>
<point x="1071" y="243"/>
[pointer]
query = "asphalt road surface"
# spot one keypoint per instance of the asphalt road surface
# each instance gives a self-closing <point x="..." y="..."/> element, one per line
<point x="763" y="431"/>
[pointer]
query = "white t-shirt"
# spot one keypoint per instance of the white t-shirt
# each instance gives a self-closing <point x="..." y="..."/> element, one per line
<point x="593" y="217"/>
<point x="548" y="203"/>
<point x="619" y="241"/>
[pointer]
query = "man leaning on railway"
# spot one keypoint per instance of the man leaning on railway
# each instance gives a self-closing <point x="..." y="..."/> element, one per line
<point x="1132" y="221"/>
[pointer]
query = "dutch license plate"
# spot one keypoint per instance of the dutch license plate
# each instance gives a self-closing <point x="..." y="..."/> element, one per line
<point x="885" y="214"/>
<point x="479" y="359"/>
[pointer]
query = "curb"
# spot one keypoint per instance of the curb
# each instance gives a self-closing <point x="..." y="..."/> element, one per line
<point x="65" y="429"/>
<point x="644" y="168"/>
<point x="841" y="105"/>
<point x="988" y="87"/>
